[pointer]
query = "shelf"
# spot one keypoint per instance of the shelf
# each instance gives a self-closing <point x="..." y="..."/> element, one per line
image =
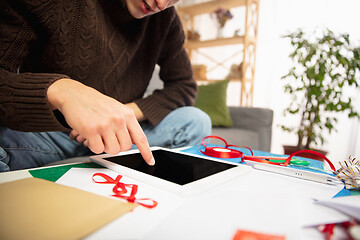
<point x="190" y="44"/>
<point x="210" y="6"/>
<point x="247" y="41"/>
<point x="214" y="42"/>
<point x="206" y="81"/>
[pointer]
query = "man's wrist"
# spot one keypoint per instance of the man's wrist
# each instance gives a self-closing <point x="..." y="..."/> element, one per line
<point x="137" y="111"/>
<point x="56" y="92"/>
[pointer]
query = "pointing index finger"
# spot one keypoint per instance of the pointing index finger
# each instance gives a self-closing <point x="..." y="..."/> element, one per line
<point x="139" y="139"/>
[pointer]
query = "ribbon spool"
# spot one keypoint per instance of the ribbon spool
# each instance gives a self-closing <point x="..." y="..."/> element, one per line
<point x="220" y="152"/>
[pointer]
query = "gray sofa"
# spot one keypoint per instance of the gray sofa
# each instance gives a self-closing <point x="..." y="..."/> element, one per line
<point x="252" y="128"/>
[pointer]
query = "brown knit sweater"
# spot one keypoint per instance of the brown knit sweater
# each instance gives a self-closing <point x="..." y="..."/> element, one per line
<point x="96" y="42"/>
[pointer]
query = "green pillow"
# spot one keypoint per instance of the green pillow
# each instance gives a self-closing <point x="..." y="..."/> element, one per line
<point x="212" y="100"/>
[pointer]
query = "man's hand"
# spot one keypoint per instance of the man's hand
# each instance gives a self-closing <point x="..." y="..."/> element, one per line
<point x="101" y="122"/>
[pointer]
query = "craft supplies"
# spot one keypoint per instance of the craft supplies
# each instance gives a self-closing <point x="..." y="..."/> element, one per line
<point x="230" y="151"/>
<point x="349" y="173"/>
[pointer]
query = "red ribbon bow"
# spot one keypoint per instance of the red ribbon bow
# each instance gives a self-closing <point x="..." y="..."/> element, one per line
<point x="121" y="188"/>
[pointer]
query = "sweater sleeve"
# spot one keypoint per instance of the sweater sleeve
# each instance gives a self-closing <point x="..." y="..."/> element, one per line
<point x="180" y="88"/>
<point x="23" y="96"/>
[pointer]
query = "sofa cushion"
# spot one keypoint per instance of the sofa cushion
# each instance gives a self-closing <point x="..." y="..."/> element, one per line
<point x="239" y="137"/>
<point x="211" y="99"/>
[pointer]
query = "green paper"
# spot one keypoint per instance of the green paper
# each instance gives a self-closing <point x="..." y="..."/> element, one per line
<point x="54" y="173"/>
<point x="354" y="192"/>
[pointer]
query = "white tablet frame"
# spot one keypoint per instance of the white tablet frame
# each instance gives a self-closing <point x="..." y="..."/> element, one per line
<point x="180" y="190"/>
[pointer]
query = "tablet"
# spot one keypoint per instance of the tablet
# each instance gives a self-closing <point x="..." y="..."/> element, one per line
<point x="174" y="171"/>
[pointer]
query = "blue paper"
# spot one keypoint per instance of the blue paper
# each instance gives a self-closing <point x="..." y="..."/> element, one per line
<point x="343" y="193"/>
<point x="315" y="165"/>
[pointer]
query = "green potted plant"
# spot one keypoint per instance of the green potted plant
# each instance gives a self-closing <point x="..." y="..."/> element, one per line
<point x="324" y="65"/>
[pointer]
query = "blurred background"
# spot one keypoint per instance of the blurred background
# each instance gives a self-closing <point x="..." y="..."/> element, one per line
<point x="271" y="61"/>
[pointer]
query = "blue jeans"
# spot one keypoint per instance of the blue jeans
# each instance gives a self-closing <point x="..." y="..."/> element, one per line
<point x="185" y="126"/>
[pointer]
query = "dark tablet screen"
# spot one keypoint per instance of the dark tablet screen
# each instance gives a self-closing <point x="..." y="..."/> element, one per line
<point x="174" y="167"/>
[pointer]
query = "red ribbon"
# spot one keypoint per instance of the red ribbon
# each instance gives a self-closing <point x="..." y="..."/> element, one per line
<point x="121" y="188"/>
<point x="227" y="152"/>
<point x="328" y="229"/>
<point x="311" y="152"/>
<point x="221" y="152"/>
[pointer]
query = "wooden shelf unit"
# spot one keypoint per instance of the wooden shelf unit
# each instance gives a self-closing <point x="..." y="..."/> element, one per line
<point x="214" y="42"/>
<point x="248" y="40"/>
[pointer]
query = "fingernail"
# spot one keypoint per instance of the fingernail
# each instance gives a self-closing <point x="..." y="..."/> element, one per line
<point x="152" y="161"/>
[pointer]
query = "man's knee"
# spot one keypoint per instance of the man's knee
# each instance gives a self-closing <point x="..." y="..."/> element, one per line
<point x="185" y="126"/>
<point x="197" y="122"/>
<point x="4" y="159"/>
<point x="201" y="120"/>
<point x="22" y="150"/>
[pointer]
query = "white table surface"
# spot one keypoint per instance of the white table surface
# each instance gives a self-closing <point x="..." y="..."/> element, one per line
<point x="256" y="201"/>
